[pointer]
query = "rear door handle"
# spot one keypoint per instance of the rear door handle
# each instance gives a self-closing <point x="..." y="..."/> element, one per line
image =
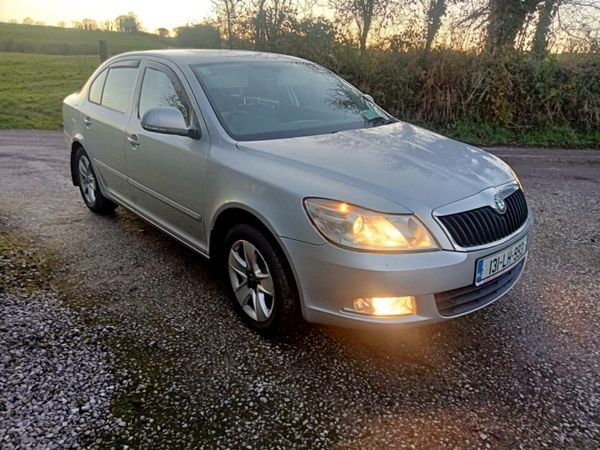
<point x="133" y="140"/>
<point x="87" y="122"/>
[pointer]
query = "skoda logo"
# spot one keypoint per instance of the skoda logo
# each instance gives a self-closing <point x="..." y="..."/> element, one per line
<point x="499" y="204"/>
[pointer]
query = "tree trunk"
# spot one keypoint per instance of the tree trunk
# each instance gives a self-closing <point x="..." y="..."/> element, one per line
<point x="260" y="26"/>
<point x="366" y="19"/>
<point x="506" y="19"/>
<point x="230" y="7"/>
<point x="437" y="9"/>
<point x="547" y="14"/>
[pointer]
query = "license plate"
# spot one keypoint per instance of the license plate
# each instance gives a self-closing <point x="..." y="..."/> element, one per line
<point x="495" y="265"/>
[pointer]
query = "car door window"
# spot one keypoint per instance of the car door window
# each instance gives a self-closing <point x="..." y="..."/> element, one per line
<point x="96" y="87"/>
<point x="118" y="88"/>
<point x="162" y="89"/>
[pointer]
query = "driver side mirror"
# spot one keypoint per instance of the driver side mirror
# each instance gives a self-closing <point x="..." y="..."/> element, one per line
<point x="168" y="120"/>
<point x="369" y="98"/>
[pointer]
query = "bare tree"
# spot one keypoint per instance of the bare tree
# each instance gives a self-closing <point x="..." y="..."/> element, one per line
<point x="363" y="14"/>
<point x="577" y="26"/>
<point x="434" y="11"/>
<point x="546" y="15"/>
<point x="573" y="25"/>
<point x="88" y="24"/>
<point x="107" y="25"/>
<point x="227" y="12"/>
<point x="268" y="18"/>
<point x="61" y="24"/>
<point x="28" y="21"/>
<point x="536" y="22"/>
<point x="505" y="20"/>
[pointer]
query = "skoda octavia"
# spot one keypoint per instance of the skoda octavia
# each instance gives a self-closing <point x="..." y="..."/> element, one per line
<point x="312" y="200"/>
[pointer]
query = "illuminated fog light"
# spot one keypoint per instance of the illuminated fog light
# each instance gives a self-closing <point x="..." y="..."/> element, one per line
<point x="384" y="306"/>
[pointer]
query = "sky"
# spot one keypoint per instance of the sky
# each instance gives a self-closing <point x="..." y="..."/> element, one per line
<point x="153" y="14"/>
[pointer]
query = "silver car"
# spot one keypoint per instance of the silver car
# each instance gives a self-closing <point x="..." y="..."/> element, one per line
<point x="312" y="199"/>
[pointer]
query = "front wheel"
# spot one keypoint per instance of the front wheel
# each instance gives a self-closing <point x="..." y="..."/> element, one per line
<point x="260" y="283"/>
<point x="88" y="185"/>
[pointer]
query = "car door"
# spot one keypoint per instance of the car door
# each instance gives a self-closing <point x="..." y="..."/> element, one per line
<point x="105" y="116"/>
<point x="165" y="171"/>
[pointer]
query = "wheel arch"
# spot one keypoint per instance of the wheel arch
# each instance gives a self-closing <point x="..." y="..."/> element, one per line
<point x="234" y="214"/>
<point x="75" y="146"/>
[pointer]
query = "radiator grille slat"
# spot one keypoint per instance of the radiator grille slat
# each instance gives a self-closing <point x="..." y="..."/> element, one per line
<point x="484" y="225"/>
<point x="461" y="300"/>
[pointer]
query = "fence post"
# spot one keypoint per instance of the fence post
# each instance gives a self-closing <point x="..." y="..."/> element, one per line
<point x="103" y="50"/>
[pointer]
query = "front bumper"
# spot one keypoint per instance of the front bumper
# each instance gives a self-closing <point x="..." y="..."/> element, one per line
<point x="329" y="278"/>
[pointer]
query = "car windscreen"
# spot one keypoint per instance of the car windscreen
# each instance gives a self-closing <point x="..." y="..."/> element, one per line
<point x="259" y="100"/>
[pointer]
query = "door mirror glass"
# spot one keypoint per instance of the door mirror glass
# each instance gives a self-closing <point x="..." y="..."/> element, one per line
<point x="167" y="120"/>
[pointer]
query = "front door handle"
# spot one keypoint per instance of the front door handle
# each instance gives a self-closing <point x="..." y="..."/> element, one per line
<point x="87" y="122"/>
<point x="133" y="140"/>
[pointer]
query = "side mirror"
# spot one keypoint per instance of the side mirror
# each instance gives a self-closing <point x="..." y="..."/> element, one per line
<point x="369" y="98"/>
<point x="168" y="120"/>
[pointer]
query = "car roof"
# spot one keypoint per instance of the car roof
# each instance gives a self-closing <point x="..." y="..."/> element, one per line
<point x="206" y="56"/>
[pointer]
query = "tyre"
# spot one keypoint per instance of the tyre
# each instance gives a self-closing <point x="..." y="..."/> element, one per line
<point x="88" y="185"/>
<point x="260" y="282"/>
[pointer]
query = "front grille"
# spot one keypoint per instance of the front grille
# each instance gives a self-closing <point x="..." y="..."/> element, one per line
<point x="462" y="300"/>
<point x="484" y="225"/>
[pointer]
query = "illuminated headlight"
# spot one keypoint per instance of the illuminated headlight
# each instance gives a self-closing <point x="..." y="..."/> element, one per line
<point x="517" y="179"/>
<point x="362" y="229"/>
<point x="384" y="306"/>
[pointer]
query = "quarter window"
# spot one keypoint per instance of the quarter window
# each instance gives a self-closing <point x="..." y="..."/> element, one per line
<point x="118" y="88"/>
<point x="96" y="87"/>
<point x="158" y="89"/>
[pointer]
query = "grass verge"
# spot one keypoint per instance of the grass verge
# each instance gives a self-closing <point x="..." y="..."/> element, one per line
<point x="554" y="137"/>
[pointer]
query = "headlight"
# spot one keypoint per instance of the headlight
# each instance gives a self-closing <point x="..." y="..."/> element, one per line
<point x="517" y="179"/>
<point x="363" y="229"/>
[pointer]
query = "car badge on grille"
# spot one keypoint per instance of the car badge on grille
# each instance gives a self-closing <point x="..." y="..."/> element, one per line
<point x="499" y="204"/>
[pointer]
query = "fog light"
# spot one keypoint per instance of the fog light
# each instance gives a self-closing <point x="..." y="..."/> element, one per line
<point x="384" y="306"/>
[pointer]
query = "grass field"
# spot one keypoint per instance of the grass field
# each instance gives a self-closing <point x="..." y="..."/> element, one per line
<point x="32" y="87"/>
<point x="56" y="40"/>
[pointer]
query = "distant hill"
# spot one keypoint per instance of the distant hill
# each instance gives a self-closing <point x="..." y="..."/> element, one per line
<point x="70" y="41"/>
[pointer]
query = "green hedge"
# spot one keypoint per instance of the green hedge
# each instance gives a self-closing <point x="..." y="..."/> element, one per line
<point x="490" y="99"/>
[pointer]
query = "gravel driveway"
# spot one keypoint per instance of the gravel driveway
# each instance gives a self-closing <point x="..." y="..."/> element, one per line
<point x="523" y="373"/>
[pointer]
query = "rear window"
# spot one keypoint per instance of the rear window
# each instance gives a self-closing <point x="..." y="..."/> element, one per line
<point x="96" y="87"/>
<point x="118" y="88"/>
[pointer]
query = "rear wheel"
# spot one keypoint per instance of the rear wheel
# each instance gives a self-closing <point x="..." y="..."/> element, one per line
<point x="88" y="185"/>
<point x="260" y="283"/>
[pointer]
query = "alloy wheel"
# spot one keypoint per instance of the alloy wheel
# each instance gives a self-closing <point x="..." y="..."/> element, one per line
<point x="251" y="281"/>
<point x="87" y="180"/>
